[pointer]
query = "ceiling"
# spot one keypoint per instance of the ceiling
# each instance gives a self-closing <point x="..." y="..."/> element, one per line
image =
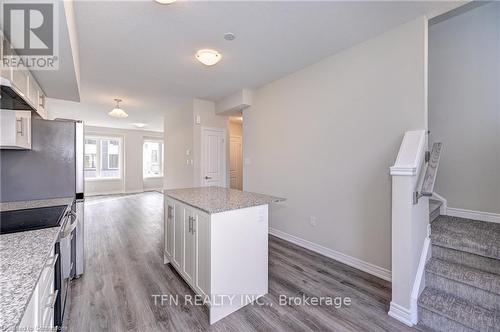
<point x="143" y="52"/>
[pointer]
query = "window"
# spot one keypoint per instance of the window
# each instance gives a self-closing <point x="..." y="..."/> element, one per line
<point x="90" y="158"/>
<point x="152" y="158"/>
<point x="102" y="157"/>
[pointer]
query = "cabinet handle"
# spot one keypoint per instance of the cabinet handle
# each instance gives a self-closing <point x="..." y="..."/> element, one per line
<point x="21" y="126"/>
<point x="53" y="261"/>
<point x="191" y="224"/>
<point x="52" y="303"/>
<point x="169" y="213"/>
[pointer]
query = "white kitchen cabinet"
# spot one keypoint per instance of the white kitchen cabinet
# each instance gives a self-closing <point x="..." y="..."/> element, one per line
<point x="20" y="80"/>
<point x="202" y="281"/>
<point x="39" y="313"/>
<point x="23" y="82"/>
<point x="187" y="243"/>
<point x="223" y="256"/>
<point x="189" y="266"/>
<point x="5" y="72"/>
<point x="16" y="129"/>
<point x="169" y="231"/>
<point x="178" y="227"/>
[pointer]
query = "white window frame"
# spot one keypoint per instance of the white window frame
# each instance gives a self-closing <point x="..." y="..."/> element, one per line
<point x="119" y="147"/>
<point x="161" y="160"/>
<point x="99" y="139"/>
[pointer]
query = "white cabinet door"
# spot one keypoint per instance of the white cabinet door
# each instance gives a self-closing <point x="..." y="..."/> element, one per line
<point x="5" y="72"/>
<point x="20" y="80"/>
<point x="33" y="91"/>
<point x="169" y="229"/>
<point x="178" y="257"/>
<point x="41" y="105"/>
<point x="29" y="322"/>
<point x="202" y="232"/>
<point x="189" y="269"/>
<point x="23" y="129"/>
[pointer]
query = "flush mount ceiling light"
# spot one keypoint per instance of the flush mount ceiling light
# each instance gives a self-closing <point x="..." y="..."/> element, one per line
<point x="117" y="112"/>
<point x="208" y="57"/>
<point x="165" y="2"/>
<point x="139" y="125"/>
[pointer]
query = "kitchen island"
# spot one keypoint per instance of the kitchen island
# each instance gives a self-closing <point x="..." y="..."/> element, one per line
<point x="217" y="239"/>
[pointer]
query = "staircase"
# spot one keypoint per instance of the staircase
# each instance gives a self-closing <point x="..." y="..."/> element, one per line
<point x="462" y="278"/>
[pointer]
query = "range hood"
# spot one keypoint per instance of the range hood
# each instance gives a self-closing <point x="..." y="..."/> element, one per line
<point x="11" y="98"/>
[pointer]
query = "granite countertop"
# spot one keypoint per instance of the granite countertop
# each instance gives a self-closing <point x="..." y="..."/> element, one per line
<point x="23" y="256"/>
<point x="218" y="199"/>
<point x="9" y="206"/>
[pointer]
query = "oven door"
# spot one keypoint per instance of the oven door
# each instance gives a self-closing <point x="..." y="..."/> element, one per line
<point x="65" y="248"/>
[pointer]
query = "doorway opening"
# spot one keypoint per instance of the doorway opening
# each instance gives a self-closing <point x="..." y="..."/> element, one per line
<point x="235" y="131"/>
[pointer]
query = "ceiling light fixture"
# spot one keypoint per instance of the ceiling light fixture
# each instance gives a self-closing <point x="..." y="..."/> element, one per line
<point x="165" y="2"/>
<point x="208" y="57"/>
<point x="117" y="112"/>
<point x="139" y="125"/>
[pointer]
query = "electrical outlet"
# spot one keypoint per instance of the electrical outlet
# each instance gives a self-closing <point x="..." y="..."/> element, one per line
<point x="312" y="221"/>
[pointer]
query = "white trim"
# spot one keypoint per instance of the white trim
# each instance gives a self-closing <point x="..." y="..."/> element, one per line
<point x="116" y="192"/>
<point x="338" y="256"/>
<point x="102" y="193"/>
<point x="444" y="206"/>
<point x="400" y="313"/>
<point x="475" y="215"/>
<point x="410" y="154"/>
<point x="419" y="284"/>
<point x="136" y="191"/>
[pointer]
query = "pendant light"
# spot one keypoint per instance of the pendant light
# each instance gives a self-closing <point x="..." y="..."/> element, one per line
<point x="117" y="112"/>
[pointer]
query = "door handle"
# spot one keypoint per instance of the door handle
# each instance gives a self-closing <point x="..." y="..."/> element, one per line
<point x="207" y="177"/>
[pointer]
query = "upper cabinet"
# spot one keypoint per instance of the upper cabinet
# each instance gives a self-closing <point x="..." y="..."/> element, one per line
<point x="22" y="82"/>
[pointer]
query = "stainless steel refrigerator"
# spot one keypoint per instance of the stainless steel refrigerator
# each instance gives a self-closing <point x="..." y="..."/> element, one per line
<point x="53" y="168"/>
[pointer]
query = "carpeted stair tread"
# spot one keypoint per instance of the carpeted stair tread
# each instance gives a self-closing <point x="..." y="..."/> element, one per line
<point x="432" y="322"/>
<point x="459" y="310"/>
<point x="467" y="275"/>
<point x="477" y="237"/>
<point x="468" y="259"/>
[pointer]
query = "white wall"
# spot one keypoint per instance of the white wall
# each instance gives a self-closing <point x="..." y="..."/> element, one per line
<point x="464" y="107"/>
<point x="182" y="134"/>
<point x="325" y="136"/>
<point x="132" y="172"/>
<point x="178" y="172"/>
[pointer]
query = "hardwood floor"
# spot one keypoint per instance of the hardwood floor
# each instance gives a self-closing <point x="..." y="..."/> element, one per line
<point x="124" y="268"/>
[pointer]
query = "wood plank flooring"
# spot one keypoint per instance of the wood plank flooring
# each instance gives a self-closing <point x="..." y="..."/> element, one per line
<point x="124" y="268"/>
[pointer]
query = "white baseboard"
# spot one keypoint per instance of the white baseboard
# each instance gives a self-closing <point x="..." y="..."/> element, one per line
<point x="120" y="192"/>
<point x="475" y="215"/>
<point x="338" y="256"/>
<point x="102" y="193"/>
<point x="400" y="313"/>
<point x="134" y="191"/>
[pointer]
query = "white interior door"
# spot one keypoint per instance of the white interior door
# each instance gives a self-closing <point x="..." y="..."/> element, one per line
<point x="213" y="165"/>
<point x="235" y="163"/>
